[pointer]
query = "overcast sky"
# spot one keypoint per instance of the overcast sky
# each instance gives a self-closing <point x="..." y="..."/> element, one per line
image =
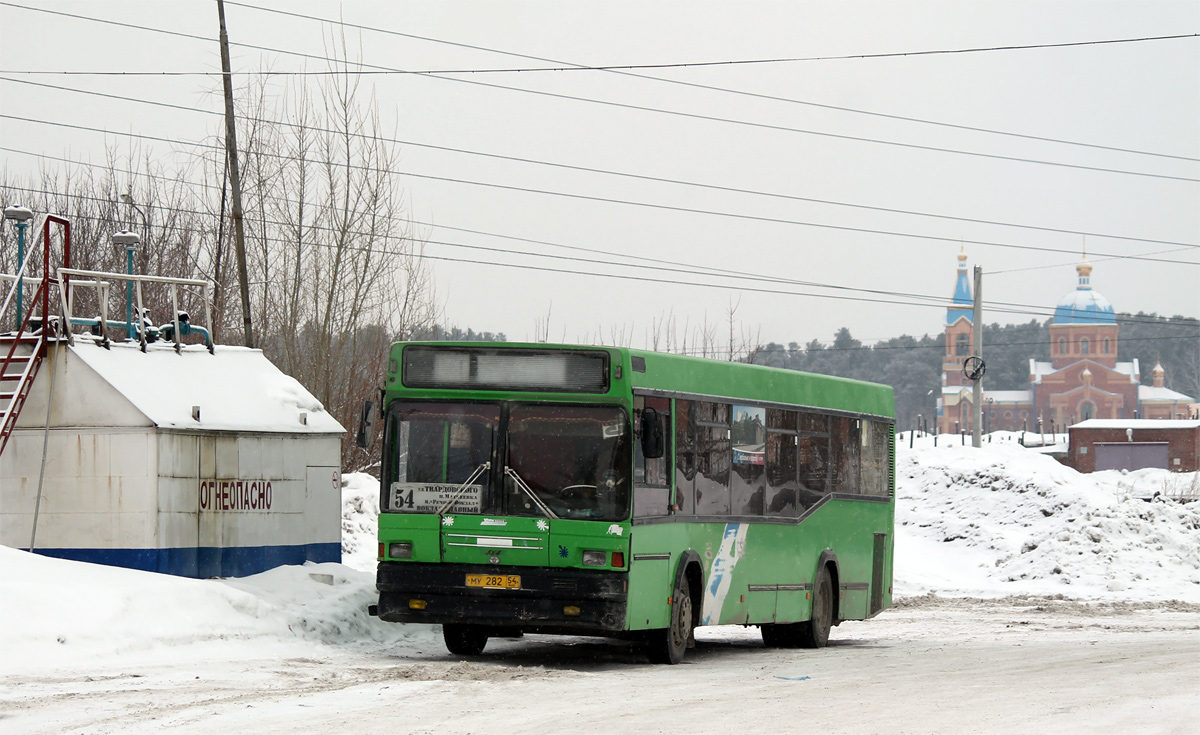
<point x="1142" y="97"/>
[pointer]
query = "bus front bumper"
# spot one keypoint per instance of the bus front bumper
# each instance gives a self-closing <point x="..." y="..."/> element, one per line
<point x="549" y="600"/>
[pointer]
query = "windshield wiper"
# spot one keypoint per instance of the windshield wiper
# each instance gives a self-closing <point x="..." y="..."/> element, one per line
<point x="541" y="504"/>
<point x="462" y="488"/>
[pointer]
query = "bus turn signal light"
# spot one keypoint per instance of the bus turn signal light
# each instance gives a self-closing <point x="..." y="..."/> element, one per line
<point x="571" y="610"/>
<point x="416" y="604"/>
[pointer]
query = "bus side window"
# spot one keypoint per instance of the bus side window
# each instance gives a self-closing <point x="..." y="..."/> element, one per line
<point x="685" y="457"/>
<point x="876" y="439"/>
<point x="781" y="453"/>
<point x="651" y="494"/>
<point x="747" y="485"/>
<point x="813" y="459"/>
<point x="713" y="458"/>
<point x="846" y="442"/>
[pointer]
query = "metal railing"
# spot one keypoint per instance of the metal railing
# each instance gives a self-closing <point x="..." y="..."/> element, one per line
<point x="102" y="281"/>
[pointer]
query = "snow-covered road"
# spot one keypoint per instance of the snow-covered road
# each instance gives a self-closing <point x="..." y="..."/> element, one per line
<point x="1067" y="605"/>
<point x="1014" y="665"/>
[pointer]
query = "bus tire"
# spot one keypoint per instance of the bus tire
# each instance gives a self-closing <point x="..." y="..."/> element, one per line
<point x="814" y="632"/>
<point x="667" y="646"/>
<point x="464" y="640"/>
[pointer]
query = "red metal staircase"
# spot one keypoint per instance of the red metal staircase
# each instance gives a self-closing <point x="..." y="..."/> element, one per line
<point x="24" y="350"/>
<point x="23" y="356"/>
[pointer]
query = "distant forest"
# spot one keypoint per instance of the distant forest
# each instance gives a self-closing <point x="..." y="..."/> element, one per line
<point x="912" y="366"/>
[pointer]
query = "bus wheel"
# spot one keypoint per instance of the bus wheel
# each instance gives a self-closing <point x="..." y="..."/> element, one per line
<point x="814" y="633"/>
<point x="667" y="646"/>
<point x="464" y="640"/>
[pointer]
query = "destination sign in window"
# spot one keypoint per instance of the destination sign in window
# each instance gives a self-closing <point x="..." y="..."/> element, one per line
<point x="429" y="497"/>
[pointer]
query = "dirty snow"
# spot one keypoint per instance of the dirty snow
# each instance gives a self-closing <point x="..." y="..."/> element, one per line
<point x="1081" y="599"/>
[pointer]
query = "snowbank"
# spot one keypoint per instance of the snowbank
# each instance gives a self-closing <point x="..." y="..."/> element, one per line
<point x="360" y="521"/>
<point x="1004" y="520"/>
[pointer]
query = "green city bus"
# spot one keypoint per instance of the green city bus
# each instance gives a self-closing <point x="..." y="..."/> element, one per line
<point x="533" y="488"/>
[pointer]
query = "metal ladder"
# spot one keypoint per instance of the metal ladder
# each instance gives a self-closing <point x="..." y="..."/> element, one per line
<point x="23" y="357"/>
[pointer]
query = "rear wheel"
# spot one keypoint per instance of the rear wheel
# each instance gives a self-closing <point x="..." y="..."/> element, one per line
<point x="814" y="633"/>
<point x="667" y="646"/>
<point x="464" y="640"/>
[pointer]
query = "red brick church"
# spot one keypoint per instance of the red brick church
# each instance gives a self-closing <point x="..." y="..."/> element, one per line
<point x="1083" y="379"/>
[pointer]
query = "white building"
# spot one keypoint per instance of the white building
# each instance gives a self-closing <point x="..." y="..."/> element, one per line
<point x="194" y="464"/>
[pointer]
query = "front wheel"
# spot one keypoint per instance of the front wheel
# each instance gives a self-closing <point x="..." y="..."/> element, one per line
<point x="667" y="646"/>
<point x="814" y="633"/>
<point x="464" y="640"/>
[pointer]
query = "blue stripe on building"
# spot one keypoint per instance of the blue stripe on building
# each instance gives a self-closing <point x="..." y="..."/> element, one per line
<point x="204" y="562"/>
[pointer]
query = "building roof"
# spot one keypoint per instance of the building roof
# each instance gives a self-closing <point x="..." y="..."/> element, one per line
<point x="963" y="304"/>
<point x="1158" y="393"/>
<point x="1009" y="396"/>
<point x="1138" y="424"/>
<point x="236" y="388"/>
<point x="1039" y="369"/>
<point x="1083" y="305"/>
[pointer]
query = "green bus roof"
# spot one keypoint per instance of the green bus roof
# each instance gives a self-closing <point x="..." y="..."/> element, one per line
<point x="678" y="374"/>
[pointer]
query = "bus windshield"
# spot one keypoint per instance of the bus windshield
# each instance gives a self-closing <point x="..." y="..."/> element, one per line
<point x="437" y="456"/>
<point x="558" y="462"/>
<point x="574" y="459"/>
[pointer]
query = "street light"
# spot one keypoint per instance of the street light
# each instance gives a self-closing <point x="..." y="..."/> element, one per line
<point x="130" y="241"/>
<point x="20" y="217"/>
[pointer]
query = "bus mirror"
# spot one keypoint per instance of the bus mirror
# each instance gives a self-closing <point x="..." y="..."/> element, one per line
<point x="366" y="424"/>
<point x="652" y="434"/>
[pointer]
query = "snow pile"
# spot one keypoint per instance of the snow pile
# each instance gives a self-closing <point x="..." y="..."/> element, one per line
<point x="996" y="521"/>
<point x="327" y="603"/>
<point x="1003" y="520"/>
<point x="54" y="611"/>
<point x="360" y="521"/>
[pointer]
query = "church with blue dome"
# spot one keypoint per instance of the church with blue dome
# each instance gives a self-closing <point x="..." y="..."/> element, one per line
<point x="1084" y="379"/>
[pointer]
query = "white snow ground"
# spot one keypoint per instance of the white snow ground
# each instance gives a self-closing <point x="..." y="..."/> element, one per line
<point x="1069" y="562"/>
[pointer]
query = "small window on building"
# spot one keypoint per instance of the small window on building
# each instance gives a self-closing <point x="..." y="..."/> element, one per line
<point x="1087" y="410"/>
<point x="962" y="345"/>
<point x="1083" y="346"/>
<point x="1062" y="345"/>
<point x="1106" y="347"/>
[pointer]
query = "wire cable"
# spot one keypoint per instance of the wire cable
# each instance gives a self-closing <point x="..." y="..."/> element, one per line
<point x="929" y="301"/>
<point x="623" y="174"/>
<point x="375" y="29"/>
<point x="666" y="207"/>
<point x="359" y="66"/>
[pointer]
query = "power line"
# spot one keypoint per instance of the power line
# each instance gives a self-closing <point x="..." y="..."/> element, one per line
<point x="617" y="173"/>
<point x="641" y="177"/>
<point x="618" y="69"/>
<point x="936" y="302"/>
<point x="386" y="31"/>
<point x="360" y="66"/>
<point x="578" y="248"/>
<point x="687" y="210"/>
<point x="608" y="67"/>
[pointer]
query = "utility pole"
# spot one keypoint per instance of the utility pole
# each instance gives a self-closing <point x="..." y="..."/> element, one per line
<point x="235" y="180"/>
<point x="977" y="391"/>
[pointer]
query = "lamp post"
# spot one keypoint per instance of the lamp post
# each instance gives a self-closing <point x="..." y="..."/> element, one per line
<point x="130" y="241"/>
<point x="990" y="401"/>
<point x="20" y="217"/>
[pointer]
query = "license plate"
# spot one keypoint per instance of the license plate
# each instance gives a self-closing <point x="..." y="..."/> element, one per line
<point x="495" y="581"/>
